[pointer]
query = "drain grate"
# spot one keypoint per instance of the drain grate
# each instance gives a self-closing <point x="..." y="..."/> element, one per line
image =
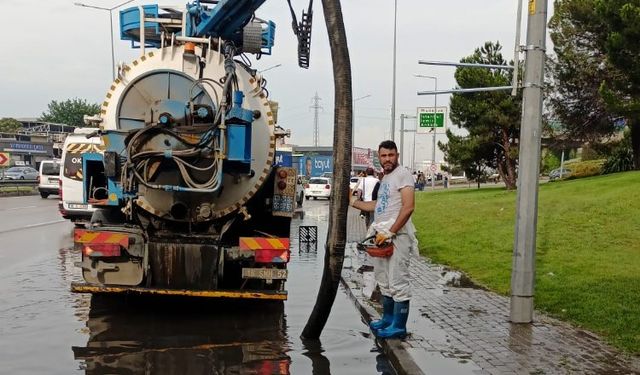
<point x="308" y="237"/>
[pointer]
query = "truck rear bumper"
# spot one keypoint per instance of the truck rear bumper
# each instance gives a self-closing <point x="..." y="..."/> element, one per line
<point x="239" y="294"/>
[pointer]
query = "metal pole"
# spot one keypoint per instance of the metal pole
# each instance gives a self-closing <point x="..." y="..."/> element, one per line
<point x="433" y="155"/>
<point x="113" y="57"/>
<point x="561" y="164"/>
<point x="393" y="92"/>
<point x="523" y="272"/>
<point x="413" y="157"/>
<point x="516" y="51"/>
<point x="401" y="137"/>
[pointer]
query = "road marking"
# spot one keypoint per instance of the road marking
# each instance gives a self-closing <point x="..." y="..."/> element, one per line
<point x="33" y="226"/>
<point x="19" y="208"/>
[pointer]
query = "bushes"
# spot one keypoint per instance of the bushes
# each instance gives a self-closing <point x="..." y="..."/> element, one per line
<point x="620" y="161"/>
<point x="583" y="169"/>
<point x="549" y="163"/>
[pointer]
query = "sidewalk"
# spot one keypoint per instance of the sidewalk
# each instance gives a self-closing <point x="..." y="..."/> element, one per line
<point x="458" y="330"/>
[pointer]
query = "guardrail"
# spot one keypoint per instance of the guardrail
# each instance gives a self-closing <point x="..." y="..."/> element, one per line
<point x="18" y="182"/>
<point x="18" y="187"/>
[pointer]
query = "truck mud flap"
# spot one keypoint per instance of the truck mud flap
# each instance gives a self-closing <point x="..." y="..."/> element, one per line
<point x="179" y="265"/>
<point x="235" y="294"/>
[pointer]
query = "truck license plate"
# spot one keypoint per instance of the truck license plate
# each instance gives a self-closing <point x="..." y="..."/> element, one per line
<point x="264" y="273"/>
<point x="78" y="206"/>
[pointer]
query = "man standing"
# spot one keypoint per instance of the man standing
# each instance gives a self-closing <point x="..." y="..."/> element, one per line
<point x="392" y="223"/>
<point x="366" y="186"/>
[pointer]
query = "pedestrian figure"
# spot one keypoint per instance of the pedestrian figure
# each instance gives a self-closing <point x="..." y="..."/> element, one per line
<point x="392" y="224"/>
<point x="366" y="186"/>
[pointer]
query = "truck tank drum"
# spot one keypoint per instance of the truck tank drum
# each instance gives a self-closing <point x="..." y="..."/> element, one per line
<point x="171" y="85"/>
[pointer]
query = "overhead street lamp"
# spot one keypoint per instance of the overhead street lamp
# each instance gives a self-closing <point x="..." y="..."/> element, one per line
<point x="353" y="125"/>
<point x="435" y="111"/>
<point x="113" y="58"/>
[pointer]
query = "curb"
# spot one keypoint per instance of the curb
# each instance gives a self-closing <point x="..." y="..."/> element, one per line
<point x="394" y="349"/>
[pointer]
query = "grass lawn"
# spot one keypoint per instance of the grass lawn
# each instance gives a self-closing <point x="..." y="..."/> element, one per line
<point x="588" y="247"/>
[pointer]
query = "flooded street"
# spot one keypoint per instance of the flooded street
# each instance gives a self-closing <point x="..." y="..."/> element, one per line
<point x="45" y="329"/>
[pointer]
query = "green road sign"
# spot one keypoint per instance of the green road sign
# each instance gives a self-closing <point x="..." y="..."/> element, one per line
<point x="426" y="120"/>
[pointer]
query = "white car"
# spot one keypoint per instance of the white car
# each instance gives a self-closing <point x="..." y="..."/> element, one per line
<point x="318" y="187"/>
<point x="21" y="173"/>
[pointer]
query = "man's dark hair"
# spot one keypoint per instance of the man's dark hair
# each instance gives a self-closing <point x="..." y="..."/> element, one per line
<point x="389" y="145"/>
<point x="369" y="171"/>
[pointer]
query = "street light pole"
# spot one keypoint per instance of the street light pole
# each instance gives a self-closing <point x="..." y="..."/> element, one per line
<point x="435" y="115"/>
<point x="393" y="90"/>
<point x="524" y="249"/>
<point x="110" y="10"/>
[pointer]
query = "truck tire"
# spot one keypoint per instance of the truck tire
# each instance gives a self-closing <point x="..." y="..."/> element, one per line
<point x="44" y="195"/>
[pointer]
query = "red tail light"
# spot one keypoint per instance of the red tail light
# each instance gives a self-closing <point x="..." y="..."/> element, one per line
<point x="306" y="186"/>
<point x="327" y="186"/>
<point x="272" y="256"/>
<point x="60" y="189"/>
<point x="101" y="250"/>
<point x="38" y="179"/>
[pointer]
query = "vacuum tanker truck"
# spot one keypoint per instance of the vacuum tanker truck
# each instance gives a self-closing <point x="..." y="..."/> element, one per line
<point x="188" y="197"/>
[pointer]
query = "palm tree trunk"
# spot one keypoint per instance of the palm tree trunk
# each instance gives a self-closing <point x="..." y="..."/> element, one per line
<point x="339" y="205"/>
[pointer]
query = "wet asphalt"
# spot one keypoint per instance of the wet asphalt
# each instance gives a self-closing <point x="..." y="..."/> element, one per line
<point x="46" y="329"/>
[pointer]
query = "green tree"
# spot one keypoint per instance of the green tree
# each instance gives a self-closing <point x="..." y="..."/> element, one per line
<point x="69" y="112"/>
<point x="468" y="154"/>
<point x="491" y="118"/>
<point x="576" y="73"/>
<point x="614" y="28"/>
<point x="9" y="125"/>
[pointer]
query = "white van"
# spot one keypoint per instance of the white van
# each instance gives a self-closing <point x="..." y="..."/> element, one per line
<point x="72" y="205"/>
<point x="49" y="179"/>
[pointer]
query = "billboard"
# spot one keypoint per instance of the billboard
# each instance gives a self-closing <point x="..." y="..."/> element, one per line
<point x="315" y="165"/>
<point x="362" y="158"/>
<point x="283" y="158"/>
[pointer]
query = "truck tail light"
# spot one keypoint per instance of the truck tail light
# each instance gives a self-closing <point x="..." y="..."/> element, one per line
<point x="272" y="256"/>
<point x="60" y="189"/>
<point x="327" y="186"/>
<point x="306" y="186"/>
<point x="101" y="250"/>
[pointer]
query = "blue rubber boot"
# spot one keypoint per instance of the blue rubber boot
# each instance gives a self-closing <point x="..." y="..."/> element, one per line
<point x="387" y="315"/>
<point x="398" y="329"/>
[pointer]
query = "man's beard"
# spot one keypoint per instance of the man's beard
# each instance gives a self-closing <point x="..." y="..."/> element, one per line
<point x="390" y="169"/>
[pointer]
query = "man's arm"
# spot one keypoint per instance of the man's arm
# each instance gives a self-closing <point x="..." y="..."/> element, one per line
<point x="408" y="205"/>
<point x="369" y="206"/>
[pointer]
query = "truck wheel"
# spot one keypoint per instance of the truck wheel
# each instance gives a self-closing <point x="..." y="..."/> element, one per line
<point x="44" y="195"/>
<point x="307" y="197"/>
<point x="315" y="198"/>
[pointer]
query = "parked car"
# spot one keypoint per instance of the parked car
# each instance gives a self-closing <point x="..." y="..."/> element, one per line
<point x="318" y="187"/>
<point x="49" y="178"/>
<point x="21" y="173"/>
<point x="555" y="174"/>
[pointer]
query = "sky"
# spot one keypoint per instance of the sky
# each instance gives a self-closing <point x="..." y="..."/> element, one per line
<point x="55" y="50"/>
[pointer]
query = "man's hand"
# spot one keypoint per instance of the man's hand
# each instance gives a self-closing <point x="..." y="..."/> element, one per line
<point x="352" y="198"/>
<point x="383" y="237"/>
